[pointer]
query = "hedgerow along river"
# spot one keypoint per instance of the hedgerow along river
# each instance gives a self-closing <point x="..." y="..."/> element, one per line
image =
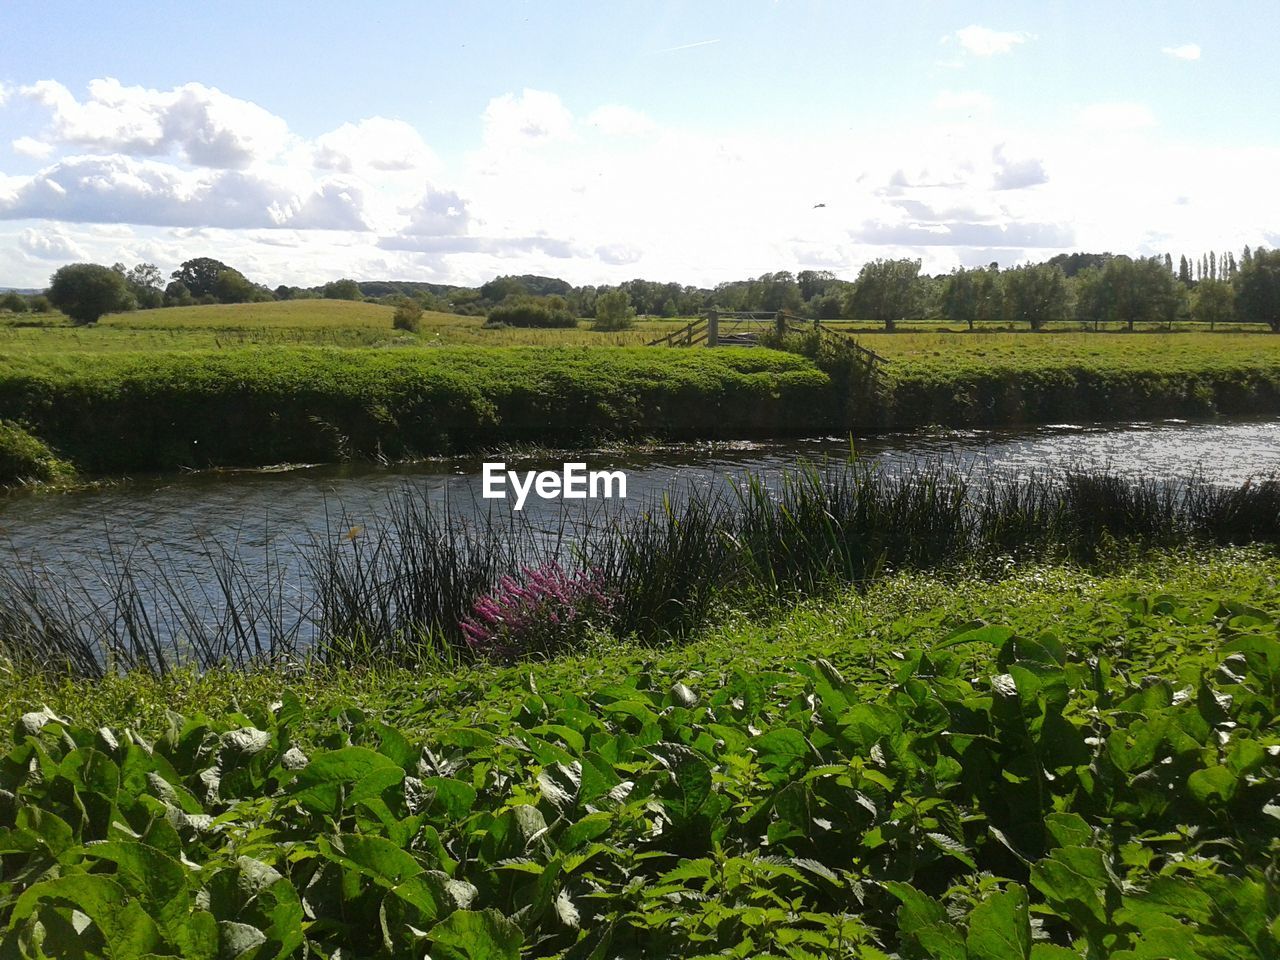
<point x="165" y="526"/>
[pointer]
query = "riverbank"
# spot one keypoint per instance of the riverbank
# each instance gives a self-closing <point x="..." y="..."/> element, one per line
<point x="1091" y="748"/>
<point x="137" y="412"/>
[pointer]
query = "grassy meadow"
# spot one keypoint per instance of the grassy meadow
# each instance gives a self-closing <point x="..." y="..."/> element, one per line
<point x="324" y="380"/>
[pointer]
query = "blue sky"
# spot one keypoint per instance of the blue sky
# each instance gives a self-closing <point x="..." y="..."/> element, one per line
<point x="673" y="140"/>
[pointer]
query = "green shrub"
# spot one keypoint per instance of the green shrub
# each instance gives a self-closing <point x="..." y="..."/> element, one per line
<point x="13" y="302"/>
<point x="614" y="311"/>
<point x="533" y="312"/>
<point x="26" y="458"/>
<point x="40" y="304"/>
<point x="408" y="315"/>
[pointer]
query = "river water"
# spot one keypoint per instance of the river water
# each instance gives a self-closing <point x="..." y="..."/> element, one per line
<point x="258" y="513"/>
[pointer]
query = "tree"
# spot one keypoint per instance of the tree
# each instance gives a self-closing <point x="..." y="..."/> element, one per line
<point x="14" y="302"/>
<point x="613" y="311"/>
<point x="885" y="291"/>
<point x="344" y="289"/>
<point x="144" y="281"/>
<point x="40" y="304"/>
<point x="1258" y="297"/>
<point x="233" y="287"/>
<point x="1184" y="271"/>
<point x="85" y="291"/>
<point x="1035" y="294"/>
<point x="176" y="294"/>
<point x="199" y="275"/>
<point x="1213" y="302"/>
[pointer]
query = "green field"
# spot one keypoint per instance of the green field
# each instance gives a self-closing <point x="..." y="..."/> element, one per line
<point x="318" y="380"/>
<point x="1060" y="764"/>
<point x="292" y="322"/>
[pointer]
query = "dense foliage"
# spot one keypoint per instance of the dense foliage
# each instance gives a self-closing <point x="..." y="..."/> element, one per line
<point x="533" y="312"/>
<point x="1049" y="768"/>
<point x="122" y="412"/>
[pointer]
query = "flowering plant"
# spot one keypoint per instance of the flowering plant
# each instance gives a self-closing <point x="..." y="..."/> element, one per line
<point x="549" y="611"/>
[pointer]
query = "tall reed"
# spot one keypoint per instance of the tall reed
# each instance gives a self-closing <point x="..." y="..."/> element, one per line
<point x="400" y="591"/>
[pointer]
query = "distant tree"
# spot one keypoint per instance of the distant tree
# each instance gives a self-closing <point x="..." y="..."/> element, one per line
<point x="1168" y="262"/>
<point x="533" y="312"/>
<point x="613" y="311"/>
<point x="14" y="302"/>
<point x="1258" y="296"/>
<point x="176" y="294"/>
<point x="1246" y="256"/>
<point x="144" y="281"/>
<point x="40" y="304"/>
<point x="962" y="296"/>
<point x="1073" y="263"/>
<point x="1213" y="265"/>
<point x="886" y="291"/>
<point x="199" y="275"/>
<point x="1184" y="271"/>
<point x="344" y="289"/>
<point x="283" y="292"/>
<point x="1213" y="302"/>
<point x="408" y="315"/>
<point x="1035" y="294"/>
<point x="85" y="291"/>
<point x="233" y="287"/>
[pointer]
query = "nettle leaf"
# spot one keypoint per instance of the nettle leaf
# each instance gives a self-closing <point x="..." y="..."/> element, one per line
<point x="245" y="742"/>
<point x="1213" y="785"/>
<point x="917" y="910"/>
<point x="373" y="856"/>
<point x="354" y="771"/>
<point x="781" y="748"/>
<point x="690" y="779"/>
<point x="1000" y="927"/>
<point x="455" y="797"/>
<point x="976" y="631"/>
<point x="476" y="935"/>
<point x="238" y="940"/>
<point x="128" y="931"/>
<point x="154" y="876"/>
<point x="1073" y="881"/>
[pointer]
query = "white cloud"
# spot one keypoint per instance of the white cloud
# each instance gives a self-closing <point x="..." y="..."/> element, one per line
<point x="49" y="243"/>
<point x="374" y="144"/>
<point x="31" y="147"/>
<point x="1116" y="117"/>
<point x="117" y="189"/>
<point x="533" y="116"/>
<point x="617" y="121"/>
<point x="206" y="126"/>
<point x="1186" y="51"/>
<point x="985" y="42"/>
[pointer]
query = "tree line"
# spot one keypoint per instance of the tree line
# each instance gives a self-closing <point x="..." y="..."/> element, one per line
<point x="1092" y="288"/>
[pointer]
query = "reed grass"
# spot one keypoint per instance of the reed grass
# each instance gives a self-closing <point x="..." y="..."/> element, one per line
<point x="396" y="594"/>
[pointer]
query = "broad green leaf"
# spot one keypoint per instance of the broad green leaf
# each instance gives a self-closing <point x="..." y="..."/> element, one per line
<point x="1000" y="927"/>
<point x="476" y="935"/>
<point x="329" y="776"/>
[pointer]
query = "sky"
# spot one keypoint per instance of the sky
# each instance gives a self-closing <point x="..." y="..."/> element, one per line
<point x="676" y="140"/>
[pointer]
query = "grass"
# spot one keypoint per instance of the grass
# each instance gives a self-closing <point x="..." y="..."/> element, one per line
<point x="1060" y="763"/>
<point x="289" y="323"/>
<point x="250" y="385"/>
<point x="137" y="411"/>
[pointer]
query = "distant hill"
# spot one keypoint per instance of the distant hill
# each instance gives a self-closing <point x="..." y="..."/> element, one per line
<point x="25" y="291"/>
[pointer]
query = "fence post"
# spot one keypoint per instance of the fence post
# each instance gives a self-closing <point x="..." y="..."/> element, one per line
<point x="713" y="328"/>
